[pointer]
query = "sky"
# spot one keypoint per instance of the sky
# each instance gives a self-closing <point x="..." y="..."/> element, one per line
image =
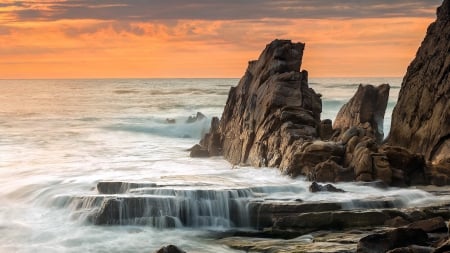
<point x="206" y="38"/>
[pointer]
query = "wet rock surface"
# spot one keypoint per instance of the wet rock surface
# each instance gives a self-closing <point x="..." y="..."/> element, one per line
<point x="170" y="249"/>
<point x="421" y="118"/>
<point x="368" y="105"/>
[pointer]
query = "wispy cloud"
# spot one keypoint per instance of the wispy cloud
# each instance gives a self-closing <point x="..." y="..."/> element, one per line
<point x="146" y="10"/>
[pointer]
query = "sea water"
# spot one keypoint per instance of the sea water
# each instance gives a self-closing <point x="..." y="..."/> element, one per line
<point x="59" y="138"/>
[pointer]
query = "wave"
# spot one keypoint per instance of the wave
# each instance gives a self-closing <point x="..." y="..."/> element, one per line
<point x="170" y="127"/>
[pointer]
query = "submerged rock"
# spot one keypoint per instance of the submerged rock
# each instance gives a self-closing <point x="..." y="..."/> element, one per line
<point x="194" y="118"/>
<point x="315" y="187"/>
<point x="170" y="249"/>
<point x="198" y="151"/>
<point x="421" y="117"/>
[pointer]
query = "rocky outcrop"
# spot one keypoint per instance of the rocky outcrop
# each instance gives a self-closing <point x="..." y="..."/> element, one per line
<point x="421" y="118"/>
<point x="397" y="238"/>
<point x="270" y="109"/>
<point x="272" y="118"/>
<point x="365" y="110"/>
<point x="170" y="249"/>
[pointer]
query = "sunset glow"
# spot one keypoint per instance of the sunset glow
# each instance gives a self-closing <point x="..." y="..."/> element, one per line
<point x="49" y="39"/>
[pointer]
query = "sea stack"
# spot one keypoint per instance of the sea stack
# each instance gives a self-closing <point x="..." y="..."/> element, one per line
<point x="421" y="118"/>
<point x="271" y="107"/>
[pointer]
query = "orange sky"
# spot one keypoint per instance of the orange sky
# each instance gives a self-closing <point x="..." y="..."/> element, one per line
<point x="37" y="46"/>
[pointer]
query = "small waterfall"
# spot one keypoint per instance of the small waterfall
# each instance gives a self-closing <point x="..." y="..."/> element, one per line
<point x="202" y="206"/>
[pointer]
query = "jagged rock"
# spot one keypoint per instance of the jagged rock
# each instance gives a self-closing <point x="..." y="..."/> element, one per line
<point x="271" y="107"/>
<point x="412" y="166"/>
<point x="303" y="157"/>
<point x="194" y="118"/>
<point x="362" y="160"/>
<point x="368" y="105"/>
<point x="421" y="117"/>
<point x="170" y="249"/>
<point x="211" y="141"/>
<point x="198" y="151"/>
<point x="381" y="168"/>
<point x="330" y="171"/>
<point x="397" y="238"/>
<point x="315" y="187"/>
<point x="326" y="129"/>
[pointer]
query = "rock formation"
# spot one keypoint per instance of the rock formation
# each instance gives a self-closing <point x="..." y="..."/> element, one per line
<point x="365" y="110"/>
<point x="421" y="118"/>
<point x="271" y="108"/>
<point x="272" y="118"/>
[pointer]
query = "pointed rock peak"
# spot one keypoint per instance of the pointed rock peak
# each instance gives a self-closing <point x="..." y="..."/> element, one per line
<point x="443" y="11"/>
<point x="279" y="56"/>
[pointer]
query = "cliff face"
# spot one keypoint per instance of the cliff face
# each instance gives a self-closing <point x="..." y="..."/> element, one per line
<point x="421" y="118"/>
<point x="270" y="108"/>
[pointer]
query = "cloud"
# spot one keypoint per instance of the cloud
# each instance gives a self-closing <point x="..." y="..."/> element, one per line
<point x="147" y="10"/>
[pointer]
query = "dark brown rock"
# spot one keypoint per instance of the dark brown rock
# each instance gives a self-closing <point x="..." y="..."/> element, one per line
<point x="170" y="249"/>
<point x="412" y="249"/>
<point x="397" y="238"/>
<point x="197" y="117"/>
<point x="326" y="129"/>
<point x="411" y="165"/>
<point x="271" y="107"/>
<point x="397" y="221"/>
<point x="302" y="158"/>
<point x="368" y="105"/>
<point x="443" y="247"/>
<point x="421" y="117"/>
<point x="433" y="225"/>
<point x="331" y="220"/>
<point x="315" y="187"/>
<point x="328" y="171"/>
<point x="198" y="151"/>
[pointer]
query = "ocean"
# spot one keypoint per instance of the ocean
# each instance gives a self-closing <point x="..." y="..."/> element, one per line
<point x="59" y="138"/>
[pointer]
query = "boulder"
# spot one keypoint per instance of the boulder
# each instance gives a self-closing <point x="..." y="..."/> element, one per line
<point x="421" y="117"/>
<point x="365" y="110"/>
<point x="330" y="171"/>
<point x="397" y="221"/>
<point x="271" y="107"/>
<point x="198" y="151"/>
<point x="397" y="238"/>
<point x="412" y="165"/>
<point x="170" y="249"/>
<point x="326" y="129"/>
<point x="197" y="117"/>
<point x="303" y="157"/>
<point x="433" y="225"/>
<point x="315" y="187"/>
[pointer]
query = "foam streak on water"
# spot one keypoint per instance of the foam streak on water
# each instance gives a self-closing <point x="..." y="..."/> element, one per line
<point x="58" y="138"/>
